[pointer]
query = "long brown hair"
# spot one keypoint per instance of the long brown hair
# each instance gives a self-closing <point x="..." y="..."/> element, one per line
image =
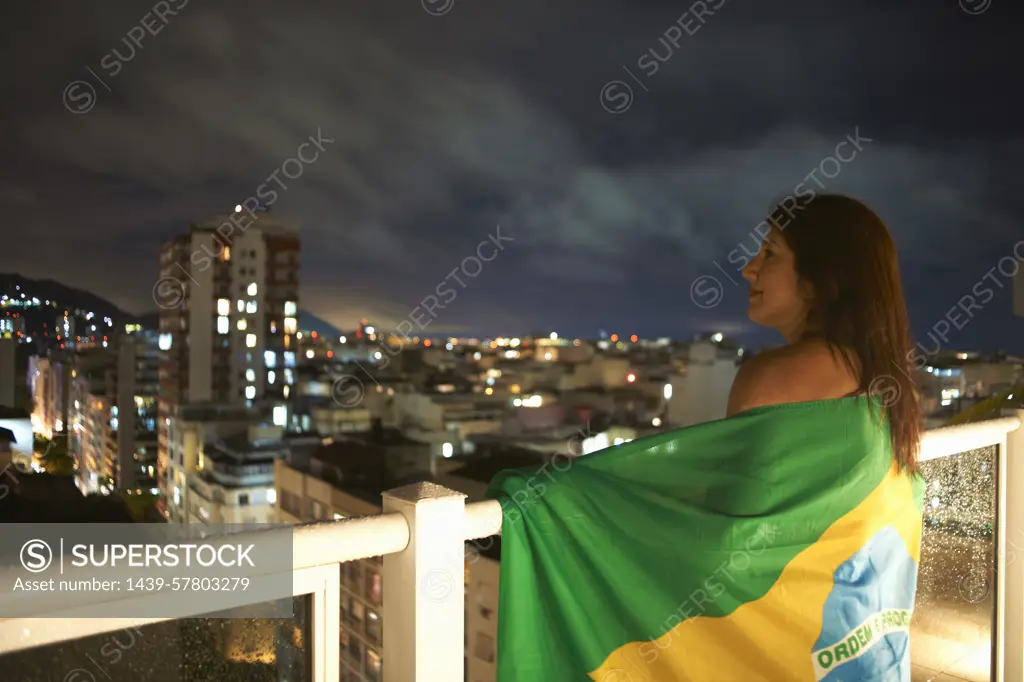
<point x="846" y="254"/>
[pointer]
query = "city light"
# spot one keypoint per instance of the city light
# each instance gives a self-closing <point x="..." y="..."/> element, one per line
<point x="631" y="377"/>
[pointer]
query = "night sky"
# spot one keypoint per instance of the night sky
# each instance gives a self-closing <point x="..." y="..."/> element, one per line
<point x="452" y="117"/>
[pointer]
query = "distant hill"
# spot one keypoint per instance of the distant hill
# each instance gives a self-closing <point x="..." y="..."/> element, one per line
<point x="308" y="322"/>
<point x="54" y="298"/>
<point x="65" y="297"/>
<point x="34" y="306"/>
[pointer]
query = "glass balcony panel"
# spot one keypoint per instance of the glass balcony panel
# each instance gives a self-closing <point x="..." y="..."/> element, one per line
<point x="951" y="633"/>
<point x="183" y="650"/>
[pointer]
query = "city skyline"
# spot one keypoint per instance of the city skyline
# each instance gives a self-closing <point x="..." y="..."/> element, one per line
<point x="621" y="178"/>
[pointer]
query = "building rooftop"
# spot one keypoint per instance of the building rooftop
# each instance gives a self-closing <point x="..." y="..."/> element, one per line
<point x="369" y="467"/>
<point x="210" y="411"/>
<point x="240" y="447"/>
<point x="492" y="458"/>
<point x="264" y="222"/>
<point x="380" y="436"/>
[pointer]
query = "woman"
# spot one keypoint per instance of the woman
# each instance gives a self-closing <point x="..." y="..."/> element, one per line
<point x="779" y="545"/>
<point x="827" y="278"/>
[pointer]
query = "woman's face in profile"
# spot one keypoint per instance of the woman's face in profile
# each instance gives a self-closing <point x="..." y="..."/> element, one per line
<point x="775" y="293"/>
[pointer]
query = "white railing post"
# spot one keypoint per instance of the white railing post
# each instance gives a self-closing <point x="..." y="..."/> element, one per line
<point x="1010" y="609"/>
<point x="424" y="587"/>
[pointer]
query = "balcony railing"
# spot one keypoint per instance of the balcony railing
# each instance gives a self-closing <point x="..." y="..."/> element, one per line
<point x="422" y="533"/>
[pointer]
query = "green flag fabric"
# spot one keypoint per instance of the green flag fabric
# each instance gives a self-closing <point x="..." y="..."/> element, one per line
<point x="779" y="544"/>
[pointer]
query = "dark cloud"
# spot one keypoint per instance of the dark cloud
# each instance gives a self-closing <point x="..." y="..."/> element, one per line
<point x="444" y="127"/>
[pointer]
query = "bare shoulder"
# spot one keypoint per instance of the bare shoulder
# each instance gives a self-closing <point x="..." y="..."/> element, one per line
<point x="798" y="372"/>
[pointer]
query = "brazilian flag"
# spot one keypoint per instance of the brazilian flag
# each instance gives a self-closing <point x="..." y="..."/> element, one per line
<point x="780" y="544"/>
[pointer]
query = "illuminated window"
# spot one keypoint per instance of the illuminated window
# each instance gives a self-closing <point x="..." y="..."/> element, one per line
<point x="291" y="325"/>
<point x="252" y="289"/>
<point x="223" y="325"/>
<point x="250" y="340"/>
<point x="271" y="377"/>
<point x="223" y="306"/>
<point x="242" y="324"/>
<point x="250" y="392"/>
<point x="241" y="306"/>
<point x="289" y="358"/>
<point x="269" y="358"/>
<point x="225" y="254"/>
<point x="250" y="307"/>
<point x="290" y="309"/>
<point x="273" y="326"/>
<point x="289" y="377"/>
<point x="250" y="374"/>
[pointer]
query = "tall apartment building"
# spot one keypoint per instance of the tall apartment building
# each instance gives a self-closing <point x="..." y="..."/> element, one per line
<point x="49" y="382"/>
<point x="112" y="415"/>
<point x="234" y="479"/>
<point x="229" y="297"/>
<point x="190" y="428"/>
<point x="137" y="384"/>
